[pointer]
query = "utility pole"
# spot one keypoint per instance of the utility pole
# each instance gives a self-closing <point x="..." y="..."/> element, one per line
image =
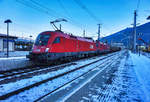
<point x="83" y="33"/>
<point x="7" y="22"/>
<point x="99" y="32"/>
<point x="134" y="35"/>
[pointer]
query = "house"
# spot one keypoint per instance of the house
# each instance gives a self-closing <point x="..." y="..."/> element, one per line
<point x="3" y="42"/>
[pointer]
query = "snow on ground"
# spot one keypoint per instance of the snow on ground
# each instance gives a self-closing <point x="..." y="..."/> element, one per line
<point x="125" y="86"/>
<point x="130" y="83"/>
<point x="146" y="54"/>
<point x="5" y="88"/>
<point x="14" y="53"/>
<point x="141" y="65"/>
<point x="36" y="92"/>
<point x="13" y="58"/>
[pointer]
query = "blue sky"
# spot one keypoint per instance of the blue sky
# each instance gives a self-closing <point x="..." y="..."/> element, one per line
<point x="114" y="15"/>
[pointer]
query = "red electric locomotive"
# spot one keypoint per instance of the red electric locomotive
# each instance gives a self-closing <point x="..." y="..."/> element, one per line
<point x="54" y="45"/>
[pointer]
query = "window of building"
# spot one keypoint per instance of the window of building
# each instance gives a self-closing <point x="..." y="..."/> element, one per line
<point x="4" y="44"/>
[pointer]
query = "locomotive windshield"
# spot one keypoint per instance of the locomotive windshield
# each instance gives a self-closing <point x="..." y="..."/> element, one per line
<point x="42" y="39"/>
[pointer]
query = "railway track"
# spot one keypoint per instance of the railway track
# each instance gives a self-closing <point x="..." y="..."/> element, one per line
<point x="108" y="63"/>
<point x="12" y="93"/>
<point x="4" y="74"/>
<point x="17" y="71"/>
<point x="14" y="75"/>
<point x="27" y="74"/>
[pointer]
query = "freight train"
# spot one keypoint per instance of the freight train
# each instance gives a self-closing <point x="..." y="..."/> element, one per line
<point x="57" y="45"/>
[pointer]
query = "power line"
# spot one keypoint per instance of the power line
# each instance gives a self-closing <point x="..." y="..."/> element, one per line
<point x="91" y="14"/>
<point x="87" y="10"/>
<point x="138" y="5"/>
<point x="33" y="7"/>
<point x="69" y="15"/>
<point x="37" y="6"/>
<point x="63" y="7"/>
<point x="41" y="8"/>
<point x="46" y="8"/>
<point x="57" y="14"/>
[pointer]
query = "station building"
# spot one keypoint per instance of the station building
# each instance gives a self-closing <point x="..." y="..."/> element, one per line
<point x="23" y="44"/>
<point x="3" y="42"/>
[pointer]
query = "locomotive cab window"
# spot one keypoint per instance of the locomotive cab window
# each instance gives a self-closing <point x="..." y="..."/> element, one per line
<point x="42" y="39"/>
<point x="57" y="40"/>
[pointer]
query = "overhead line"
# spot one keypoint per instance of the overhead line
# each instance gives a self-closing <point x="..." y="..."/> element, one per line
<point x="63" y="7"/>
<point x="69" y="15"/>
<point x="91" y="14"/>
<point x="33" y="7"/>
<point x="87" y="10"/>
<point x="57" y="14"/>
<point x="37" y="6"/>
<point x="47" y="9"/>
<point x="138" y="5"/>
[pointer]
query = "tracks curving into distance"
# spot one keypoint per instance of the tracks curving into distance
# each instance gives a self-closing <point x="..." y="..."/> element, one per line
<point x="12" y="93"/>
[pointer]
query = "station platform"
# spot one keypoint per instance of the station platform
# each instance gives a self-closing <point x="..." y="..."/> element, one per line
<point x="13" y="63"/>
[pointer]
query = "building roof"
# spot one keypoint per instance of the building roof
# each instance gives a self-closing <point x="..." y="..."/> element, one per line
<point x="23" y="41"/>
<point x="5" y="36"/>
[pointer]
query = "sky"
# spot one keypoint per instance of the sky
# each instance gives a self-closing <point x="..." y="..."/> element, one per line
<point x="31" y="17"/>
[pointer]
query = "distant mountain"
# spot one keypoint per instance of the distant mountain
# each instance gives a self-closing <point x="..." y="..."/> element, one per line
<point x="125" y="35"/>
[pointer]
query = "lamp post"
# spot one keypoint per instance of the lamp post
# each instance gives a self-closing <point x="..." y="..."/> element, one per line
<point x="8" y="21"/>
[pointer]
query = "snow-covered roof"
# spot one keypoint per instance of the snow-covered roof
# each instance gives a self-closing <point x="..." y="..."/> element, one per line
<point x="23" y="40"/>
<point x="5" y="36"/>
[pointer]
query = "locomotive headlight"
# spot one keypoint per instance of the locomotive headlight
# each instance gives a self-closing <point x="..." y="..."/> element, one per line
<point x="46" y="50"/>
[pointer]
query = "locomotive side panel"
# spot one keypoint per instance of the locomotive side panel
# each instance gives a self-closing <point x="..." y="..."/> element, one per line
<point x="70" y="45"/>
<point x="58" y="45"/>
